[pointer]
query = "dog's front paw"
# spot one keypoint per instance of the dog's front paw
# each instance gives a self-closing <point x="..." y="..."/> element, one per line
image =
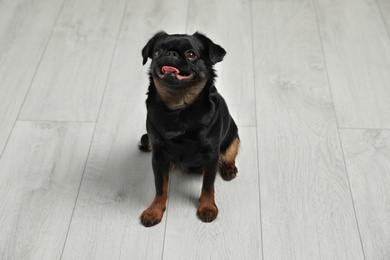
<point x="207" y="212"/>
<point x="151" y="216"/>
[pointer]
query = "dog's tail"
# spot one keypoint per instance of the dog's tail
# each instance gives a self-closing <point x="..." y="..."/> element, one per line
<point x="145" y="144"/>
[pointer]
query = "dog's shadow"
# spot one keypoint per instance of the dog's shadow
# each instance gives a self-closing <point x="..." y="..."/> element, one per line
<point x="120" y="174"/>
<point x="125" y="178"/>
<point x="184" y="187"/>
<point x="139" y="178"/>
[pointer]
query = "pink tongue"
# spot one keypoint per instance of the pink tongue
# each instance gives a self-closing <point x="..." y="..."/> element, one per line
<point x="169" y="69"/>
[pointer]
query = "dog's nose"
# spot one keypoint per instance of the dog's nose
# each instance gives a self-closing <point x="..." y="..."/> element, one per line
<point x="172" y="54"/>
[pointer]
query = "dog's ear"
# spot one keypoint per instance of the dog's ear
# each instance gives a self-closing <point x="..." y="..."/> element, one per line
<point x="216" y="52"/>
<point x="147" y="51"/>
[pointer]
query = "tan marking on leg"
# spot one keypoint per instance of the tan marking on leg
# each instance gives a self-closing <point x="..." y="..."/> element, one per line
<point x="227" y="160"/>
<point x="154" y="213"/>
<point x="231" y="152"/>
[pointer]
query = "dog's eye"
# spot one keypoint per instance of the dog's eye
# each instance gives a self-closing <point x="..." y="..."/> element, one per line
<point x="191" y="55"/>
<point x="157" y="53"/>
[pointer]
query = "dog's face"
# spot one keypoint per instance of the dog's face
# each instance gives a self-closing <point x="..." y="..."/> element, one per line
<point x="180" y="61"/>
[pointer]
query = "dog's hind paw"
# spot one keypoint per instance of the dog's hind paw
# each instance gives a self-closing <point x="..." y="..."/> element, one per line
<point x="228" y="172"/>
<point x="145" y="144"/>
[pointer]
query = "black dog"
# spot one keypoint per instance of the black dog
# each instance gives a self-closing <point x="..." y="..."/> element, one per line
<point x="188" y="122"/>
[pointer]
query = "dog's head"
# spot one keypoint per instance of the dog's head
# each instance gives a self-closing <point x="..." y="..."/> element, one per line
<point x="181" y="60"/>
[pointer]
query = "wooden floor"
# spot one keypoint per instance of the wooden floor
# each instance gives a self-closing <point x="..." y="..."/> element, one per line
<point x="307" y="81"/>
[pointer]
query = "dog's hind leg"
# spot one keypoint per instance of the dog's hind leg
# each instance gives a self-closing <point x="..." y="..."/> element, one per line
<point x="227" y="160"/>
<point x="145" y="144"/>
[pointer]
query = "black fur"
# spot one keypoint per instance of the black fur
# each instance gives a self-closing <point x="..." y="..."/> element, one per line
<point x="193" y="135"/>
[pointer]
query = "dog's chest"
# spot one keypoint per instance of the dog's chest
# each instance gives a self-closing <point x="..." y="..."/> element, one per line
<point x="188" y="147"/>
<point x="187" y="152"/>
<point x="183" y="136"/>
<point x="172" y="128"/>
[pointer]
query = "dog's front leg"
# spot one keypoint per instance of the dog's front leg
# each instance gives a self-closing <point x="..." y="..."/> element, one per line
<point x="207" y="210"/>
<point x="153" y="215"/>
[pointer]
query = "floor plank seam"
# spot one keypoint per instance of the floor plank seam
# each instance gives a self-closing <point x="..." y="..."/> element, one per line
<point x="256" y="125"/>
<point x="94" y="131"/>
<point x="314" y="3"/>
<point x="78" y="192"/>
<point x="112" y="61"/>
<point x="351" y="195"/>
<point x="166" y="215"/>
<point x="324" y="61"/>
<point x="383" y="18"/>
<point x="188" y="7"/>
<point x="55" y="121"/>
<point x="363" y="128"/>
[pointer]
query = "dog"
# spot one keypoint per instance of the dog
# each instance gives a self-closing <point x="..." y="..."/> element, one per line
<point x="188" y="122"/>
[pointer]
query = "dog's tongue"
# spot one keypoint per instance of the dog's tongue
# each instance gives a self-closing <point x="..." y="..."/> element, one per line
<point x="169" y="69"/>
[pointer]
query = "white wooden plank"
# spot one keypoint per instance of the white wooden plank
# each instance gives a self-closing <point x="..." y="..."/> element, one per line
<point x="40" y="174"/>
<point x="118" y="183"/>
<point x="25" y="27"/>
<point x="236" y="233"/>
<point x="385" y="12"/>
<point x="70" y="81"/>
<point x="229" y="25"/>
<point x="306" y="205"/>
<point x="357" y="52"/>
<point x="367" y="155"/>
